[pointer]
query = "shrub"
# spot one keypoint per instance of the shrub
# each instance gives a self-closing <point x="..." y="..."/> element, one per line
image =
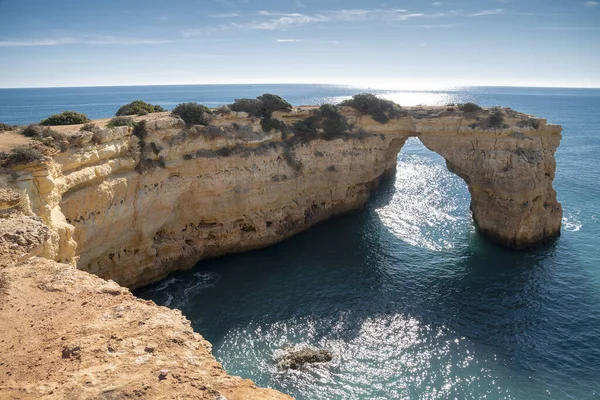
<point x="5" y="127"/>
<point x="273" y="102"/>
<point x="120" y="121"/>
<point x="469" y="107"/>
<point x="305" y="130"/>
<point x="192" y="113"/>
<point x="46" y="136"/>
<point x="33" y="131"/>
<point x="529" y="123"/>
<point x="89" y="127"/>
<point x="138" y="107"/>
<point x="66" y="118"/>
<point x="496" y="118"/>
<point x="21" y="155"/>
<point x="253" y="107"/>
<point x="223" y="110"/>
<point x="381" y="110"/>
<point x="140" y="130"/>
<point x="332" y="121"/>
<point x="269" y="124"/>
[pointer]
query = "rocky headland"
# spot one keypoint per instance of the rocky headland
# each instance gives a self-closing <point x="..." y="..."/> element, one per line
<point x="131" y="204"/>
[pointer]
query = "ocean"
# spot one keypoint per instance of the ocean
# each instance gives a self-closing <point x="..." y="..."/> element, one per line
<point x="411" y="300"/>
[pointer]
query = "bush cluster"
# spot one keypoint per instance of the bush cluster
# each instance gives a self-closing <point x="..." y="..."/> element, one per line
<point x="529" y="123"/>
<point x="273" y="102"/>
<point x="120" y="121"/>
<point x="46" y="136"/>
<point x="496" y="118"/>
<point x="262" y="107"/>
<point x="5" y="127"/>
<point x="253" y="107"/>
<point x="381" y="110"/>
<point x="192" y="113"/>
<point x="138" y="107"/>
<point x="20" y="155"/>
<point x="66" y="118"/>
<point x="469" y="107"/>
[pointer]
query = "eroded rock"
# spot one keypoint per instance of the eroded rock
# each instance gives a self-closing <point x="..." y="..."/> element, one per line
<point x="296" y="359"/>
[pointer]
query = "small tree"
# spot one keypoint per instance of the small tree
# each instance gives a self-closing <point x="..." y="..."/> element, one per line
<point x="272" y="102"/>
<point x="381" y="110"/>
<point x="469" y="107"/>
<point x="253" y="107"/>
<point x="66" y="118"/>
<point x="192" y="113"/>
<point x="138" y="107"/>
<point x="20" y="155"/>
<point x="120" y="121"/>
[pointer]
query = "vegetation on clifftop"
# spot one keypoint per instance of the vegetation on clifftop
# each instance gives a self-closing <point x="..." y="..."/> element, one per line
<point x="469" y="107"/>
<point x="138" y="107"/>
<point x="66" y="118"/>
<point x="381" y="110"/>
<point x="192" y="113"/>
<point x="120" y="121"/>
<point x="20" y="155"/>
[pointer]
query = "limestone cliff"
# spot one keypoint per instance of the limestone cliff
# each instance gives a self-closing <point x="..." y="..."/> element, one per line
<point x="133" y="205"/>
<point x="135" y="209"/>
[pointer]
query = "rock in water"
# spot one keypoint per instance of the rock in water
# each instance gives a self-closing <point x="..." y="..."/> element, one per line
<point x="295" y="359"/>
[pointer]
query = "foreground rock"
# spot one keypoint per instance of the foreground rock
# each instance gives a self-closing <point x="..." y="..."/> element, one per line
<point x="296" y="359"/>
<point x="67" y="334"/>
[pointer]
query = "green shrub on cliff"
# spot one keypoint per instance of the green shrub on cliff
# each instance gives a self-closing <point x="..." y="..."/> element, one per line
<point x="66" y="118"/>
<point x="496" y="118"/>
<point x="138" y="107"/>
<point x="120" y="121"/>
<point x="327" y="123"/>
<point x="381" y="110"/>
<point x="253" y="107"/>
<point x="46" y="136"/>
<point x="5" y="127"/>
<point x="272" y="102"/>
<point x="262" y="107"/>
<point x="192" y="113"/>
<point x="469" y="107"/>
<point x="331" y="121"/>
<point x="20" y="155"/>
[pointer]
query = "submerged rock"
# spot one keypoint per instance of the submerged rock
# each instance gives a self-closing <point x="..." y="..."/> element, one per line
<point x="295" y="359"/>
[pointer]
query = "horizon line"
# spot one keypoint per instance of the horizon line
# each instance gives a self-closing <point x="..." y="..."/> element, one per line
<point x="358" y="85"/>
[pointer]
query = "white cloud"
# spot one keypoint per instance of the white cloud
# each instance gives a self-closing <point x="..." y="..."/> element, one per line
<point x="308" y="41"/>
<point x="282" y="20"/>
<point x="270" y="20"/>
<point x="568" y="28"/>
<point x="487" y="12"/>
<point x="226" y="15"/>
<point x="437" y="3"/>
<point x="97" y="40"/>
<point x="591" y="4"/>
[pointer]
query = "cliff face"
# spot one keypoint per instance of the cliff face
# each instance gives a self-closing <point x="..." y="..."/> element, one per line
<point x="134" y="205"/>
<point x="133" y="210"/>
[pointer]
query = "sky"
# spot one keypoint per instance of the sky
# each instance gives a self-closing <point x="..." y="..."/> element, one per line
<point x="391" y="44"/>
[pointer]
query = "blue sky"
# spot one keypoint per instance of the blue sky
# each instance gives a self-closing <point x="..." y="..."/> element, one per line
<point x="404" y="44"/>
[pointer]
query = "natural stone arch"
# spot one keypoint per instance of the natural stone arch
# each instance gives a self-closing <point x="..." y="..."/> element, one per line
<point x="508" y="170"/>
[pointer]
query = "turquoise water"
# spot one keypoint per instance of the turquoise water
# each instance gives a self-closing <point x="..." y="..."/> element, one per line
<point x="411" y="300"/>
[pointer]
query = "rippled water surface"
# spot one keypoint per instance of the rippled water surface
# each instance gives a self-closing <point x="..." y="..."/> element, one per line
<point x="410" y="299"/>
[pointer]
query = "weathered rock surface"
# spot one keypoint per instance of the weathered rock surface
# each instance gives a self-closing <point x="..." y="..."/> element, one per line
<point x="67" y="334"/>
<point x="296" y="359"/>
<point x="134" y="211"/>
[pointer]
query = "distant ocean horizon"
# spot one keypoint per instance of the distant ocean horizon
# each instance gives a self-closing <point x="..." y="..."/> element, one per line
<point x="30" y="105"/>
<point x="411" y="300"/>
